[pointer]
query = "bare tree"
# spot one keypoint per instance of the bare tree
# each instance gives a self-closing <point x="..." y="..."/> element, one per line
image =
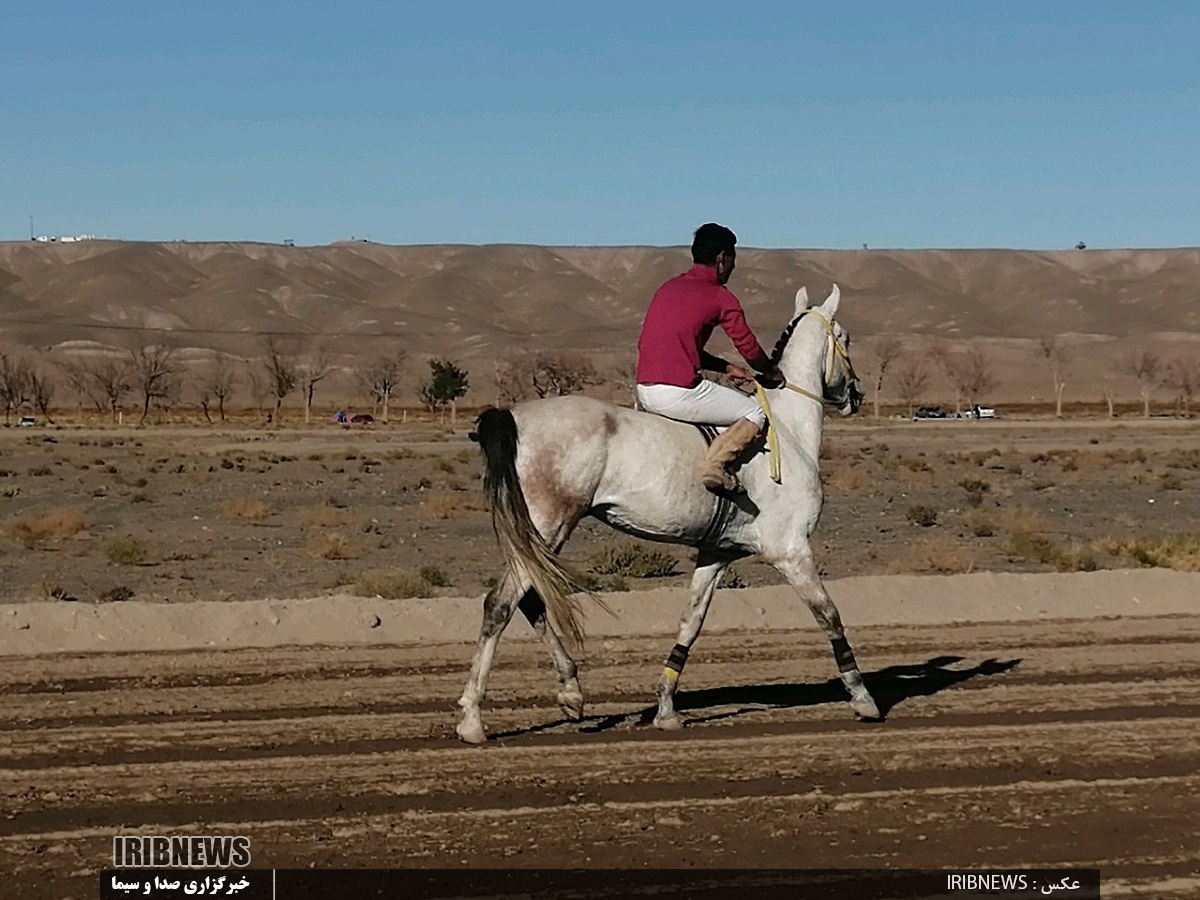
<point x="15" y="387"/>
<point x="42" y="387"/>
<point x="281" y="370"/>
<point x="1058" y="358"/>
<point x="313" y="368"/>
<point x="78" y="375"/>
<point x="969" y="373"/>
<point x="881" y="353"/>
<point x="1146" y="366"/>
<point x="543" y="374"/>
<point x="1183" y="377"/>
<point x="979" y="377"/>
<point x="113" y="379"/>
<point x="257" y="384"/>
<point x="155" y="373"/>
<point x="217" y="382"/>
<point x="950" y="364"/>
<point x="381" y="377"/>
<point x="912" y="374"/>
<point x="1108" y="390"/>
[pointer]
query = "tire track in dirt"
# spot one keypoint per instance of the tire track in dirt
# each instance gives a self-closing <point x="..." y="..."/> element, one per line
<point x="1007" y="744"/>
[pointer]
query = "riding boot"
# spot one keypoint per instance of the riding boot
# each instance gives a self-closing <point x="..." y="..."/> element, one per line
<point x="725" y="448"/>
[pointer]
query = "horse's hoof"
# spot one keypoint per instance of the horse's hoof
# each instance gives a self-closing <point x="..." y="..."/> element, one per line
<point x="572" y="705"/>
<point x="669" y="723"/>
<point x="866" y="710"/>
<point x="471" y="734"/>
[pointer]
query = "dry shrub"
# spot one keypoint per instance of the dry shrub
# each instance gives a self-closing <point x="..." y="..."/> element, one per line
<point x="32" y="529"/>
<point x="331" y="546"/>
<point x="940" y="555"/>
<point x="981" y="522"/>
<point x="1178" y="551"/>
<point x="634" y="561"/>
<point x="245" y="508"/>
<point x="325" y="517"/>
<point x="126" y="551"/>
<point x="915" y="479"/>
<point x="444" y="504"/>
<point x="925" y="516"/>
<point x="1022" y="520"/>
<point x="392" y="584"/>
<point x="849" y="479"/>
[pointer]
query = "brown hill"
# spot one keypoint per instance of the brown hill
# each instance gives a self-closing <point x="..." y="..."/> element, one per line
<point x="482" y="301"/>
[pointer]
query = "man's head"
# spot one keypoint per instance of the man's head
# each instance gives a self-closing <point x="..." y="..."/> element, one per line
<point x="714" y="245"/>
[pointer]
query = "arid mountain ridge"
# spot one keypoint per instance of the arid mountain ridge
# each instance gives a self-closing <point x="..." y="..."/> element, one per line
<point x="487" y="300"/>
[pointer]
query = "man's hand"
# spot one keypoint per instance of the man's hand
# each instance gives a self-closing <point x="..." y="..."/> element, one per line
<point x="739" y="374"/>
<point x="772" y="379"/>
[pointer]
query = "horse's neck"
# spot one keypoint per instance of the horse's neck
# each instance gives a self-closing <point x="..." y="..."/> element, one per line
<point x="803" y="363"/>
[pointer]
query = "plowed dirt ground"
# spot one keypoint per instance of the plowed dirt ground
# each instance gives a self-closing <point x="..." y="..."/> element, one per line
<point x="1069" y="743"/>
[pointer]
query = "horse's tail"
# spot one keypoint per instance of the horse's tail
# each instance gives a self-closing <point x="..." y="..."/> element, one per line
<point x="528" y="557"/>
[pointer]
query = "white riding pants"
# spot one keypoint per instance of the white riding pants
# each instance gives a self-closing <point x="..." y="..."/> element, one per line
<point x="708" y="402"/>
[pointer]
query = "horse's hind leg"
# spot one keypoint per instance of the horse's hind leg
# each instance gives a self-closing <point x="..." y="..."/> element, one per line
<point x="802" y="573"/>
<point x="498" y="608"/>
<point x="570" y="698"/>
<point x="704" y="583"/>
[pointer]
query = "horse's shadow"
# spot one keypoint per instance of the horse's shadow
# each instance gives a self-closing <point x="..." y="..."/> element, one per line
<point x="889" y="686"/>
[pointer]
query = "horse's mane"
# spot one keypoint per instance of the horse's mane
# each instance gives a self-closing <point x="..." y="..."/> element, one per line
<point x="777" y="353"/>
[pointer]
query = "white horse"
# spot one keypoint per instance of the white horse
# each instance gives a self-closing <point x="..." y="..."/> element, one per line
<point x="551" y="462"/>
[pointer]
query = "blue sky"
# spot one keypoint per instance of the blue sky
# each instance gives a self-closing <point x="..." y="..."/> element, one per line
<point x="919" y="124"/>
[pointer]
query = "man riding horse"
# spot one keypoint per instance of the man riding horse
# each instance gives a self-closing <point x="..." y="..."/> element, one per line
<point x="671" y="355"/>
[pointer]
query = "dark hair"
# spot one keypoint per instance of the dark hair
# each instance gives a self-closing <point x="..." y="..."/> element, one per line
<point x="711" y="241"/>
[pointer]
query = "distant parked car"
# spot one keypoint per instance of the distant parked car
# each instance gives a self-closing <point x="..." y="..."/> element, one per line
<point x="984" y="412"/>
<point x="26" y="421"/>
<point x="930" y="412"/>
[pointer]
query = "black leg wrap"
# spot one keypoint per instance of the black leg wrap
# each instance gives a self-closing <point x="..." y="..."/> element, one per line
<point x="843" y="655"/>
<point x="678" y="658"/>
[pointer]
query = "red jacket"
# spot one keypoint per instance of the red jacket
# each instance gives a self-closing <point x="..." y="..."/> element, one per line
<point x="679" y="322"/>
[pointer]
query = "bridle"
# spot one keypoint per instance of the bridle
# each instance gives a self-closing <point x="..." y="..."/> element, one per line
<point x="836" y="355"/>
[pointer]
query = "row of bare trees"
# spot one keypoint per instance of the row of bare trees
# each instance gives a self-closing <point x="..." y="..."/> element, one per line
<point x="971" y="375"/>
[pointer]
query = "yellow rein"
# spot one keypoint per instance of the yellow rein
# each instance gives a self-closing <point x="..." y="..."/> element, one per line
<point x="760" y="392"/>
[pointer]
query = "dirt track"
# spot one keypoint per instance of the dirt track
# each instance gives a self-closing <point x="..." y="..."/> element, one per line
<point x="1032" y="744"/>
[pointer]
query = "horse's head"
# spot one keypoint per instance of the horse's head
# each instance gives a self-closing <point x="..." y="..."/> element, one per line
<point x="840" y="386"/>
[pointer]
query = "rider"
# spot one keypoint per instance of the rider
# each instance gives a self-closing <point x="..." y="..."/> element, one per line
<point x="671" y="355"/>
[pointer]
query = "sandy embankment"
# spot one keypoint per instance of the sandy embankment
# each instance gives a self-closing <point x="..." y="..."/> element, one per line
<point x="39" y="628"/>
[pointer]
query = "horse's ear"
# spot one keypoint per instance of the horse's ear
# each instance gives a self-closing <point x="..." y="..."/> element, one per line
<point x="801" y="300"/>
<point x="831" y="302"/>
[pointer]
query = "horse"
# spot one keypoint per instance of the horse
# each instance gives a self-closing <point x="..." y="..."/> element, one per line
<point x="550" y="462"/>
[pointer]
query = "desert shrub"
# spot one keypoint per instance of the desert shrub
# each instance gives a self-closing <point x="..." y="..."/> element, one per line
<point x="247" y="508"/>
<point x="595" y="584"/>
<point x="32" y="529"/>
<point x="40" y="471"/>
<point x="939" y="555"/>
<point x="1042" y="484"/>
<point x="731" y="578"/>
<point x="434" y="575"/>
<point x="325" y="517"/>
<point x="1046" y="550"/>
<point x="633" y="561"/>
<point x="1022" y="519"/>
<point x="126" y="551"/>
<point x="391" y="584"/>
<point x="1179" y="551"/>
<point x="445" y="465"/>
<point x="119" y="594"/>
<point x="980" y="523"/>
<point x="443" y="504"/>
<point x="332" y="546"/>
<point x="849" y="479"/>
<point x="922" y="515"/>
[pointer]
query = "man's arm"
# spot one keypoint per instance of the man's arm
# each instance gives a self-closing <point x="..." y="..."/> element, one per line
<point x="710" y="363"/>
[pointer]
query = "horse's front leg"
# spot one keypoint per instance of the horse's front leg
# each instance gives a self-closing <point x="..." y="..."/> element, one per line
<point x="800" y="570"/>
<point x="498" y="608"/>
<point x="704" y="583"/>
